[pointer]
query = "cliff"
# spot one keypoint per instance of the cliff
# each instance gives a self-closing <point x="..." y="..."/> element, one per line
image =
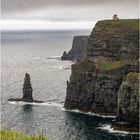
<point x="112" y="52"/>
<point x="128" y="103"/>
<point x="78" y="46"/>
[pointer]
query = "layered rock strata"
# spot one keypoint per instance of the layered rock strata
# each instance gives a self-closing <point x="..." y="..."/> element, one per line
<point x="93" y="92"/>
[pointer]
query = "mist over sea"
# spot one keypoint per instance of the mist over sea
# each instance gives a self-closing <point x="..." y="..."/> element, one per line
<point x="38" y="53"/>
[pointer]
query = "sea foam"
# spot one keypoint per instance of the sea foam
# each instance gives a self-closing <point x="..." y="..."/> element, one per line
<point x="37" y="104"/>
<point x="108" y="128"/>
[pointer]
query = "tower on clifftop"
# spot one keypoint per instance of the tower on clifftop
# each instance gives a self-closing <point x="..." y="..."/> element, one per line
<point x="115" y="17"/>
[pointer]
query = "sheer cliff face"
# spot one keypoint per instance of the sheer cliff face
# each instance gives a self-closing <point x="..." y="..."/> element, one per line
<point x="78" y="46"/>
<point x="92" y="92"/>
<point x="111" y="53"/>
<point x="128" y="99"/>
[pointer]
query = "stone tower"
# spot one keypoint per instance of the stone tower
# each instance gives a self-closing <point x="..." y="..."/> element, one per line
<point x="27" y="89"/>
<point x="115" y="17"/>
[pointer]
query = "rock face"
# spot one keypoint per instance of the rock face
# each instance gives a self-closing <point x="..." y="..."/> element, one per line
<point x="111" y="53"/>
<point x="27" y="91"/>
<point x="128" y="98"/>
<point x="128" y="103"/>
<point x="93" y="92"/>
<point x="78" y="46"/>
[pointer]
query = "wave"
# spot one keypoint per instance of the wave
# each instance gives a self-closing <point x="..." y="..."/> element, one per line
<point x="90" y="113"/>
<point x="57" y="67"/>
<point x="37" y="104"/>
<point x="60" y="105"/>
<point x="108" y="128"/>
<point x="37" y="58"/>
<point x="54" y="57"/>
<point x="60" y="67"/>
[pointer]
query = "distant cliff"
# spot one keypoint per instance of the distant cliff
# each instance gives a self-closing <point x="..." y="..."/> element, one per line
<point x="78" y="46"/>
<point x="112" y="52"/>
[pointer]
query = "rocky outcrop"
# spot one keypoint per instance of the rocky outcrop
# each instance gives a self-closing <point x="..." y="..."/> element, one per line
<point x="78" y="46"/>
<point x="128" y="104"/>
<point x="27" y="91"/>
<point x="111" y="53"/>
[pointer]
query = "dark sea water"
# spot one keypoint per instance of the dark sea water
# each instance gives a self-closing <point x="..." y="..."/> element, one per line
<point x="28" y="52"/>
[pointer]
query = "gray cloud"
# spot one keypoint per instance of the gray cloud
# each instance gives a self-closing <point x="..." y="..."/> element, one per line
<point x="12" y="5"/>
<point x="68" y="9"/>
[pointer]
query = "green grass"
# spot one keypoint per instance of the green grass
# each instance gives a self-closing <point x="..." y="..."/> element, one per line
<point x="132" y="79"/>
<point x="109" y="65"/>
<point x="13" y="135"/>
<point x="122" y="24"/>
<point x="83" y="66"/>
<point x="132" y="76"/>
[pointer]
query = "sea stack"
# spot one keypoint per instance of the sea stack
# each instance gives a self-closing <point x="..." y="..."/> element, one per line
<point x="27" y="92"/>
<point x="27" y="89"/>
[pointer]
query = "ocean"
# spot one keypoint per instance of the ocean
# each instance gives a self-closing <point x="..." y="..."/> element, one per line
<point x="38" y="53"/>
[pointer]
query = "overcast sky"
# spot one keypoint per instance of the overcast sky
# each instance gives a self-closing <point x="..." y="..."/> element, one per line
<point x="68" y="10"/>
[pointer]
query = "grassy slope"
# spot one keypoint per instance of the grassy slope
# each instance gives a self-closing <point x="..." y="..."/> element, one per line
<point x="84" y="66"/>
<point x="112" y="25"/>
<point x="132" y="77"/>
<point x="12" y="135"/>
<point x="109" y="65"/>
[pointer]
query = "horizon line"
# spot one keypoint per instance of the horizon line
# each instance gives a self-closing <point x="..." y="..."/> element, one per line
<point x="18" y="24"/>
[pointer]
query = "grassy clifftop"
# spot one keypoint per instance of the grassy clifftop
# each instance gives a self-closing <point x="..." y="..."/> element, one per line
<point x="12" y="135"/>
<point x="116" y="25"/>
